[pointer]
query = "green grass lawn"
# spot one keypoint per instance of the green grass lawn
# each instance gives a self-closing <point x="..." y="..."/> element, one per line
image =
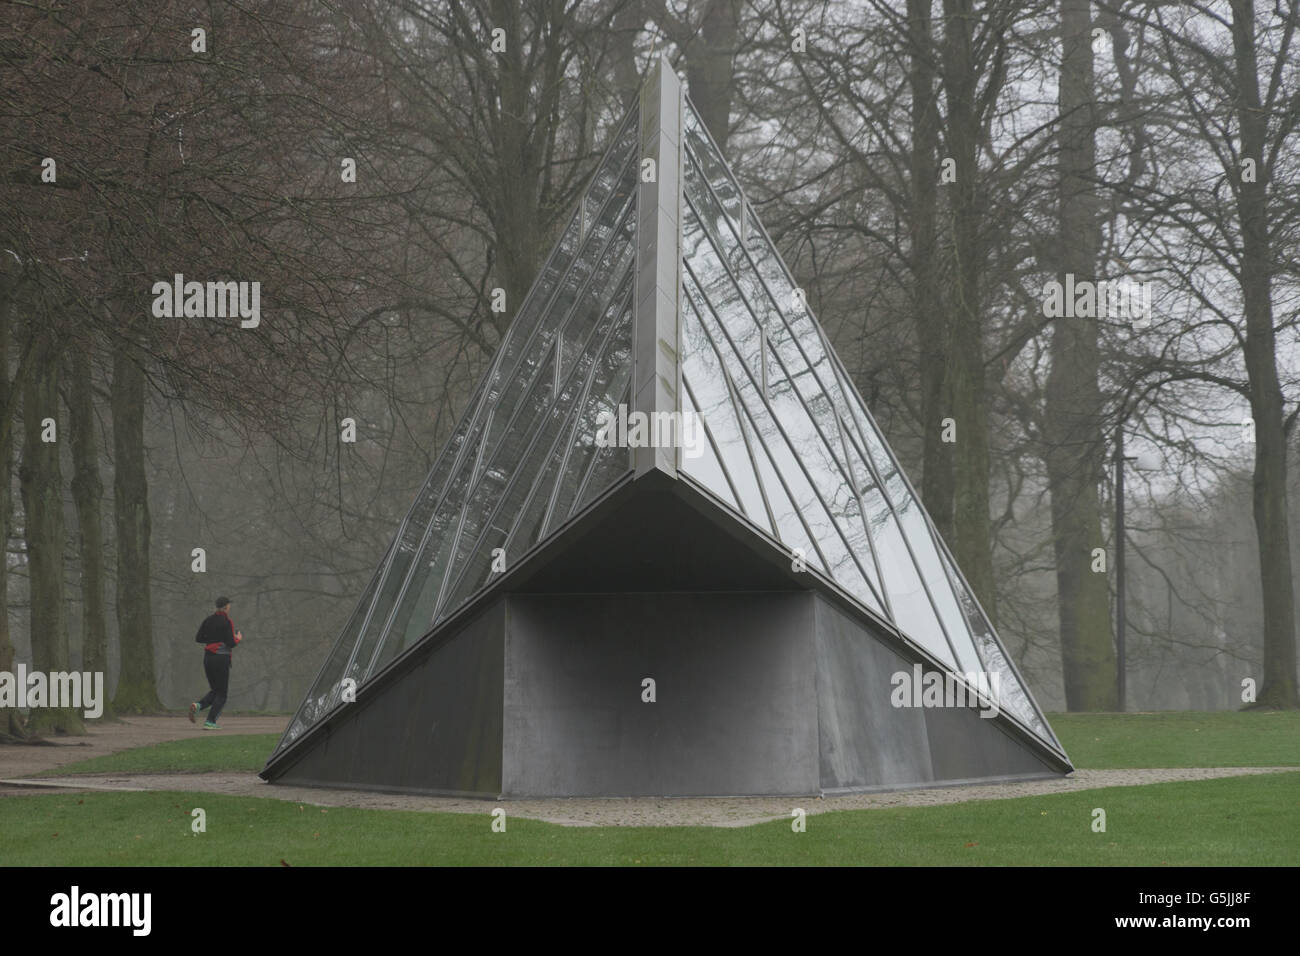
<point x="1231" y="822"/>
<point x="1093" y="741"/>
<point x="211" y="752"/>
<point x="1180" y="739"/>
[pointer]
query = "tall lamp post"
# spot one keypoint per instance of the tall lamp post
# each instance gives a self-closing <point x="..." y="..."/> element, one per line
<point x="1121" y="682"/>
<point x="1121" y="623"/>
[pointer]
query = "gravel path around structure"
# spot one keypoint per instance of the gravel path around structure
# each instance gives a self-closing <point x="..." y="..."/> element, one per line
<point x="638" y="811"/>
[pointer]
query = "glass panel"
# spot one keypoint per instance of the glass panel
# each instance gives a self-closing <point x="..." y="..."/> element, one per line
<point x="611" y="464"/>
<point x="324" y="692"/>
<point x="791" y="530"/>
<point x="714" y="168"/>
<point x="532" y="439"/>
<point x="809" y="450"/>
<point x="602" y="183"/>
<point x="708" y="383"/>
<point x="1012" y="695"/>
<point x="917" y="531"/>
<point x="526" y="442"/>
<point x="490" y="490"/>
<point x="529" y="526"/>
<point x="913" y="614"/>
<point x="612" y="374"/>
<point x="916" y="528"/>
<point x="706" y="469"/>
<point x="414" y="612"/>
<point x="528" y="530"/>
<point x="775" y="294"/>
<point x="410" y="540"/>
<point x="600" y="264"/>
<point x="796" y="355"/>
<point x="539" y="296"/>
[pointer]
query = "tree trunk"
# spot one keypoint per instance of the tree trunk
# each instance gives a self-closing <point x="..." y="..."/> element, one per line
<point x="1266" y="403"/>
<point x="710" y="67"/>
<point x="1075" y="455"/>
<point x="137" y="691"/>
<point x="971" y="524"/>
<point x="87" y="493"/>
<point x="515" y="219"/>
<point x="11" y="724"/>
<point x="927" y="307"/>
<point x="41" y="481"/>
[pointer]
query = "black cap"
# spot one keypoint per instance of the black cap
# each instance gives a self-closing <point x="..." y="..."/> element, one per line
<point x="223" y="601"/>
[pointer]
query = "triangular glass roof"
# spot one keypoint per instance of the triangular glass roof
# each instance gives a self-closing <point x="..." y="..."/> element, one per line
<point x="665" y="294"/>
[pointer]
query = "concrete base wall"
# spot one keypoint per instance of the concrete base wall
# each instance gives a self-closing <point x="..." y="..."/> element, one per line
<point x="435" y="728"/>
<point x="735" y="708"/>
<point x="771" y="692"/>
<point x="868" y="744"/>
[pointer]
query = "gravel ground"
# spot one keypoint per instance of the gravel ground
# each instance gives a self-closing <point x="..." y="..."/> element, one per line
<point x="644" y="811"/>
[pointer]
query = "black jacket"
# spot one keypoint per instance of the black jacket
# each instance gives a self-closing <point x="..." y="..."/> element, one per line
<point x="217" y="634"/>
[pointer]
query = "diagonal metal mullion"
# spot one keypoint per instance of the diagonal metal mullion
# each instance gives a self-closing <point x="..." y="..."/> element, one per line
<point x="798" y="512"/>
<point x="538" y="489"/>
<point x="451" y="475"/>
<point x="717" y="450"/>
<point x="624" y="399"/>
<point x="825" y="440"/>
<point x="583" y="225"/>
<point x="734" y="398"/>
<point x="486" y="435"/>
<point x="578" y="254"/>
<point x="837" y="373"/>
<point x="880" y="595"/>
<point x="374" y="579"/>
<point x="830" y="513"/>
<point x="567" y="320"/>
<point x="911" y="553"/>
<point x="866" y="525"/>
<point x="767" y="240"/>
<point x="460" y="529"/>
<point x="615" y="234"/>
<point x="582" y="402"/>
<point x="505" y="492"/>
<point x="767" y="348"/>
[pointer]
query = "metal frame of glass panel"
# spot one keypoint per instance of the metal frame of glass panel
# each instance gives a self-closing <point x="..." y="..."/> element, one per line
<point x="794" y="456"/>
<point x="768" y="353"/>
<point x="623" y="293"/>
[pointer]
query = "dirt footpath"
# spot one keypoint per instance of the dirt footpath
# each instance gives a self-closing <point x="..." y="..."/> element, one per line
<point x="21" y="760"/>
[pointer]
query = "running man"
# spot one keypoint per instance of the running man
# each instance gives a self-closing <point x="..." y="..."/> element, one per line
<point x="218" y="636"/>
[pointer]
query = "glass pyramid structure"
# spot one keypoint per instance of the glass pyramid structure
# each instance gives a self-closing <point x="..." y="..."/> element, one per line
<point x="664" y="295"/>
